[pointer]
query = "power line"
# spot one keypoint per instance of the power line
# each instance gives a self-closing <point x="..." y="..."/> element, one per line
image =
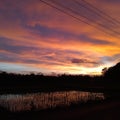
<point x="101" y="12"/>
<point x="64" y="12"/>
<point x="53" y="6"/>
<point x="112" y="24"/>
<point x="94" y="11"/>
<point x="83" y="16"/>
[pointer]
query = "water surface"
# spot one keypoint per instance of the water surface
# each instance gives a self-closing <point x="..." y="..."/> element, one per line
<point x="39" y="101"/>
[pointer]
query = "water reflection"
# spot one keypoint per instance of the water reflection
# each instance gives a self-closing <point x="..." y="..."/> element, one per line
<point x="38" y="101"/>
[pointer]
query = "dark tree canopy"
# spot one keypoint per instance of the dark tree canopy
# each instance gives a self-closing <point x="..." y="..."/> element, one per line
<point x="113" y="73"/>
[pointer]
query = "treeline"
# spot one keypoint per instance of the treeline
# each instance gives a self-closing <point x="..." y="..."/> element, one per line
<point x="40" y="82"/>
<point x="110" y="79"/>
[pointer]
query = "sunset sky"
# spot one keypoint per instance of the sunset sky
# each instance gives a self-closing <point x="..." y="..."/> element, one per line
<point x="35" y="37"/>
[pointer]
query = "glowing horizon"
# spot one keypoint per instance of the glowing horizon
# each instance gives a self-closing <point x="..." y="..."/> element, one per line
<point x="37" y="37"/>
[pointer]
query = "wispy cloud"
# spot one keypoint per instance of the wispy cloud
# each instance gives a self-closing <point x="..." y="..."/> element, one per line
<point x="36" y="35"/>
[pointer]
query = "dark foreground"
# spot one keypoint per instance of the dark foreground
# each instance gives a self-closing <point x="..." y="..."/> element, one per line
<point x="105" y="110"/>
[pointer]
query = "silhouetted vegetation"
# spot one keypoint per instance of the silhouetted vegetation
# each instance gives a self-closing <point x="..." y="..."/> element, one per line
<point x="111" y="77"/>
<point x="108" y="83"/>
<point x="10" y="82"/>
<point x="112" y="73"/>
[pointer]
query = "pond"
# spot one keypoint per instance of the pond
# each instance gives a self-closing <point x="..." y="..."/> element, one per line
<point x="40" y="101"/>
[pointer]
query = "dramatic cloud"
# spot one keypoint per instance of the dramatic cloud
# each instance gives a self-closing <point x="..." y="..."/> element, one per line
<point x="83" y="61"/>
<point x="37" y="37"/>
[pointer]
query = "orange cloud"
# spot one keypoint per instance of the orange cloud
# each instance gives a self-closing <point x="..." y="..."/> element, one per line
<point x="37" y="35"/>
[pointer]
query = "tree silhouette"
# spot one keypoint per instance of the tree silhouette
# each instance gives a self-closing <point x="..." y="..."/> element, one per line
<point x="112" y="73"/>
